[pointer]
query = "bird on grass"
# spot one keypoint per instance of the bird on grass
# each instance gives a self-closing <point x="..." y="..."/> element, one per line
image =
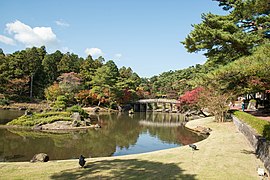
<point x="82" y="161"/>
<point x="193" y="147"/>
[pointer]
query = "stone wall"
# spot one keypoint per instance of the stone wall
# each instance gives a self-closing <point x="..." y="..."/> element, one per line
<point x="260" y="145"/>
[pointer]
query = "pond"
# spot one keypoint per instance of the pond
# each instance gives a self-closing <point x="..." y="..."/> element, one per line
<point x="121" y="134"/>
<point x="8" y="115"/>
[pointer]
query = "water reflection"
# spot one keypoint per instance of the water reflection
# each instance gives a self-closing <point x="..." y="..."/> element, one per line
<point x="162" y="119"/>
<point x="120" y="134"/>
<point x="8" y="115"/>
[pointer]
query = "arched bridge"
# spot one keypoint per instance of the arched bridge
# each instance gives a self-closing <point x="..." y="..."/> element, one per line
<point x="168" y="105"/>
<point x="144" y="101"/>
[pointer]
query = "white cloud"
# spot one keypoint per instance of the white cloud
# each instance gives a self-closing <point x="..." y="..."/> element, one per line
<point x="36" y="36"/>
<point x="7" y="40"/>
<point x="66" y="49"/>
<point x="118" y="56"/>
<point x="94" y="52"/>
<point x="62" y="23"/>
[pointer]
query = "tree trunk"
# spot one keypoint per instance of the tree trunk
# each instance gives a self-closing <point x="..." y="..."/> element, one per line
<point x="31" y="86"/>
<point x="203" y="113"/>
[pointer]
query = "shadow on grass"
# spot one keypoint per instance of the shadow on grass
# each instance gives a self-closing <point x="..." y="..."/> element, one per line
<point x="244" y="151"/>
<point x="266" y="131"/>
<point x="125" y="169"/>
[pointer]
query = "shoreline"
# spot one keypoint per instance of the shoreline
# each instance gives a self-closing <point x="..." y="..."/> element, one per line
<point x="46" y="106"/>
<point x="225" y="154"/>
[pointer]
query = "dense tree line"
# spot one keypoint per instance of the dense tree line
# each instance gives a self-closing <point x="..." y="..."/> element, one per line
<point x="33" y="73"/>
<point x="236" y="46"/>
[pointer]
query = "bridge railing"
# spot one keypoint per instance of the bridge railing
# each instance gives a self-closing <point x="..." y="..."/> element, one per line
<point x="174" y="101"/>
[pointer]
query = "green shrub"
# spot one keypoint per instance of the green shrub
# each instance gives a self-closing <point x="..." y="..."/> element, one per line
<point x="261" y="126"/>
<point x="52" y="119"/>
<point x="113" y="105"/>
<point x="52" y="113"/>
<point x="4" y="101"/>
<point x="60" y="103"/>
<point x="62" y="98"/>
<point x="77" y="108"/>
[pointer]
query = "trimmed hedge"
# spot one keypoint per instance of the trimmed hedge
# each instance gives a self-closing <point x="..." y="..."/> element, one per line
<point x="52" y="113"/>
<point x="261" y="126"/>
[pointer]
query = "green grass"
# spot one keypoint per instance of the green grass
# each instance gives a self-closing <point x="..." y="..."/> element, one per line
<point x="40" y="118"/>
<point x="261" y="126"/>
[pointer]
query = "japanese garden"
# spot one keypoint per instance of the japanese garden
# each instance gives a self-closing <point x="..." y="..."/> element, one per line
<point x="180" y="124"/>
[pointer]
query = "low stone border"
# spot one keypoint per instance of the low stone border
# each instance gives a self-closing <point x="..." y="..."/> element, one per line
<point x="260" y="144"/>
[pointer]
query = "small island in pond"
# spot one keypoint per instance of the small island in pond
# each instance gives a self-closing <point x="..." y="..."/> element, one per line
<point x="70" y="119"/>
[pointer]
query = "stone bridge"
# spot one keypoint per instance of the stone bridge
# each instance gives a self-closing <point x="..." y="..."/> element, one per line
<point x="168" y="105"/>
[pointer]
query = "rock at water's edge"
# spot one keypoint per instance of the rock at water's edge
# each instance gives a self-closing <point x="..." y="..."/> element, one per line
<point x="76" y="116"/>
<point x="41" y="157"/>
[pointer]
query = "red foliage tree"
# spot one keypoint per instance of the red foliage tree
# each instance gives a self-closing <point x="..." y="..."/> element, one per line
<point x="142" y="94"/>
<point x="18" y="87"/>
<point x="126" y="96"/>
<point x="86" y="98"/>
<point x="189" y="101"/>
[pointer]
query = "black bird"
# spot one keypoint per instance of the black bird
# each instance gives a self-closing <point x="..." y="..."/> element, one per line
<point x="193" y="146"/>
<point x="82" y="161"/>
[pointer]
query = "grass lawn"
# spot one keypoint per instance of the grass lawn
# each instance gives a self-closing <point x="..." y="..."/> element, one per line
<point x="261" y="126"/>
<point x="225" y="154"/>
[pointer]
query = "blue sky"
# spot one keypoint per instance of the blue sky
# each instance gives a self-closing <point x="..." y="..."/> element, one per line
<point x="142" y="34"/>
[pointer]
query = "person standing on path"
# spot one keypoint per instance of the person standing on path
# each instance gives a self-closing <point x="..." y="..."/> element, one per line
<point x="243" y="104"/>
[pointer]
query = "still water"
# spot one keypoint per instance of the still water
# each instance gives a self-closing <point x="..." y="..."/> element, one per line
<point x="8" y="115"/>
<point x="121" y="134"/>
